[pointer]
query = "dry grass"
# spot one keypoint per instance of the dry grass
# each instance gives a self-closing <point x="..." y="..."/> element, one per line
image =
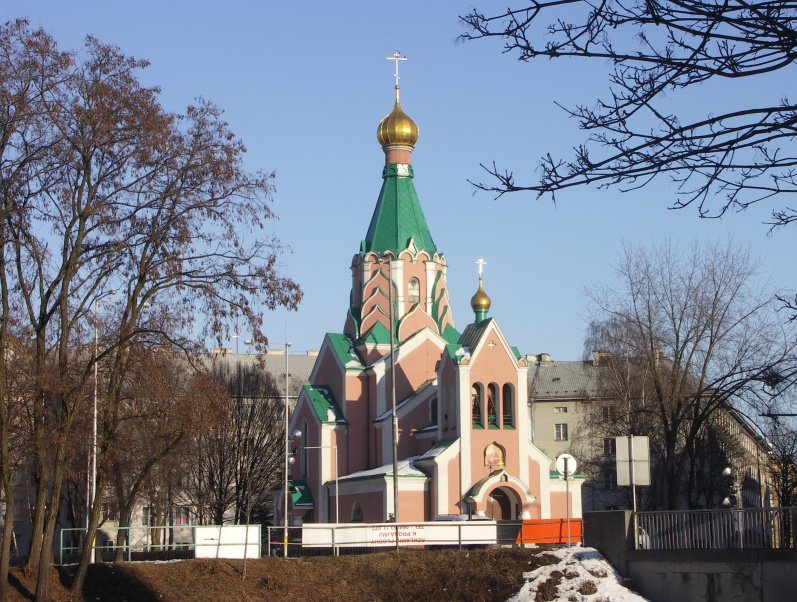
<point x="491" y="574"/>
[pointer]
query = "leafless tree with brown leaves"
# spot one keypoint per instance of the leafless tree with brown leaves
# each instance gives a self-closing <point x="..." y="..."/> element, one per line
<point x="687" y="335"/>
<point x="105" y="190"/>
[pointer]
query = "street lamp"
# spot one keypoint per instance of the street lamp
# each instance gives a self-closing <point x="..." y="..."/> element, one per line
<point x="287" y="463"/>
<point x="93" y="493"/>
<point x="394" y="418"/>
<point x="297" y="435"/>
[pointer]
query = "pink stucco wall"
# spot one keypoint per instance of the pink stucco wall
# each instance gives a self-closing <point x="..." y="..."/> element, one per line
<point x="359" y="418"/>
<point x="371" y="504"/>
<point x="412" y="506"/>
<point x="559" y="504"/>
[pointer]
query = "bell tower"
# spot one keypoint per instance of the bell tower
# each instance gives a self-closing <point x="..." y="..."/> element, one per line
<point x="398" y="271"/>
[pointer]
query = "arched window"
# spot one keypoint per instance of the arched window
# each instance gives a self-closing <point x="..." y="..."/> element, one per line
<point x="508" y="406"/>
<point x="414" y="290"/>
<point x="433" y="411"/>
<point x="356" y="513"/>
<point x="492" y="405"/>
<point x="476" y="405"/>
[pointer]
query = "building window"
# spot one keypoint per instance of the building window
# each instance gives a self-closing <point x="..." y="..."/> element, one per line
<point x="356" y="513"/>
<point x="508" y="406"/>
<point x="609" y="480"/>
<point x="109" y="513"/>
<point x="609" y="446"/>
<point x="181" y="515"/>
<point x="560" y="410"/>
<point x="433" y="411"/>
<point x="492" y="402"/>
<point x="414" y="291"/>
<point x="607" y="412"/>
<point x="476" y="405"/>
<point x="560" y="431"/>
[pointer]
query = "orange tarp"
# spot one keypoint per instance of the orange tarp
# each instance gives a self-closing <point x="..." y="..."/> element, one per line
<point x="548" y="530"/>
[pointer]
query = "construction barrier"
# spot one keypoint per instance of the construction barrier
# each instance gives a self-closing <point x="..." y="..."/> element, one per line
<point x="548" y="530"/>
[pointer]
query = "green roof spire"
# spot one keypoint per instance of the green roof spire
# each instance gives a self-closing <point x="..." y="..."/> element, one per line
<point x="398" y="217"/>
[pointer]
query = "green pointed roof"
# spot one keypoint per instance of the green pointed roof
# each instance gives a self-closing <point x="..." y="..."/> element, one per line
<point x="398" y="217"/>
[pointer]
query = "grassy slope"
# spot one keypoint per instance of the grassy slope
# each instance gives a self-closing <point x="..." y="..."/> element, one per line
<point x="491" y="574"/>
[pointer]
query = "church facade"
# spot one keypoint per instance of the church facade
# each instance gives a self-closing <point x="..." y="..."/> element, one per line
<point x="462" y="428"/>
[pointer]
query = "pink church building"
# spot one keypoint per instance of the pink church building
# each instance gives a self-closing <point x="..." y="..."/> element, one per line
<point x="462" y="420"/>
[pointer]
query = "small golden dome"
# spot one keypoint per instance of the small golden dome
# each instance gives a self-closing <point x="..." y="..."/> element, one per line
<point x="480" y="300"/>
<point x="397" y="129"/>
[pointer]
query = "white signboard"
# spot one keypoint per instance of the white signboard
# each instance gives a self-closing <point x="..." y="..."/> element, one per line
<point x="384" y="534"/>
<point x="565" y="463"/>
<point x="227" y="541"/>
<point x="633" y="452"/>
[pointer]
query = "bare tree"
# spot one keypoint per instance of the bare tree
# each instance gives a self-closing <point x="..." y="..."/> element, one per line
<point x="160" y="404"/>
<point x="658" y="50"/>
<point x="237" y="462"/>
<point x="685" y="335"/>
<point x="103" y="189"/>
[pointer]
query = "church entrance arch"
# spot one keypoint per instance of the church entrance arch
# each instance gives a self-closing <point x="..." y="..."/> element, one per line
<point x="503" y="504"/>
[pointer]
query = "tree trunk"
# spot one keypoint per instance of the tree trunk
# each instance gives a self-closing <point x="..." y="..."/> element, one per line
<point x="123" y="533"/>
<point x="41" y="461"/>
<point x="8" y="534"/>
<point x="91" y="534"/>
<point x="53" y="507"/>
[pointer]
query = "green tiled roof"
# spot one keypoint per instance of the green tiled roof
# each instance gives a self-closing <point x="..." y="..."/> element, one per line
<point x="451" y="334"/>
<point x="323" y="402"/>
<point x="554" y="474"/>
<point x="452" y="349"/>
<point x="516" y="351"/>
<point x="301" y="494"/>
<point x="473" y="333"/>
<point x="378" y="335"/>
<point x="342" y="346"/>
<point x="398" y="218"/>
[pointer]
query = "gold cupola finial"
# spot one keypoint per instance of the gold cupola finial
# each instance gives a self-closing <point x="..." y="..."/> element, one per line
<point x="397" y="131"/>
<point x="397" y="128"/>
<point x="480" y="302"/>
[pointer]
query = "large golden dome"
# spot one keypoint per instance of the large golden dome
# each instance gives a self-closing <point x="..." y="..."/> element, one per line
<point x="397" y="128"/>
<point x="481" y="300"/>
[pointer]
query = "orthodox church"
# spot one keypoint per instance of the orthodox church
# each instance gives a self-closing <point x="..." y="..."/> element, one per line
<point x="405" y="417"/>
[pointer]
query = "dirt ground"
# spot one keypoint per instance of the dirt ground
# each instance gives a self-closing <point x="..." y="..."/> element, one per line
<point x="490" y="574"/>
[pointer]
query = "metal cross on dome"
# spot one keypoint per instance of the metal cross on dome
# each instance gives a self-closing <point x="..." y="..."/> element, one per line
<point x="396" y="58"/>
<point x="481" y="263"/>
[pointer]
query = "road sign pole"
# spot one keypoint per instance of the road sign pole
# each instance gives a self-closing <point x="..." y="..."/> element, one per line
<point x="633" y="490"/>
<point x="567" y="499"/>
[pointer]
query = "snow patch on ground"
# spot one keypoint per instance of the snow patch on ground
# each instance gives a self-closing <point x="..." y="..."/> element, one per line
<point x="582" y="575"/>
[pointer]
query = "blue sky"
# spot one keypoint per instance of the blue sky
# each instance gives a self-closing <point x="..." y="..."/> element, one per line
<point x="304" y="84"/>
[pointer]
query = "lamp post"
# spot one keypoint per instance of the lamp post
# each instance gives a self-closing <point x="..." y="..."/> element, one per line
<point x="287" y="463"/>
<point x="93" y="492"/>
<point x="394" y="418"/>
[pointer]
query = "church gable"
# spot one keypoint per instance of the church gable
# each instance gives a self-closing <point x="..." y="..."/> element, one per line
<point x="485" y="339"/>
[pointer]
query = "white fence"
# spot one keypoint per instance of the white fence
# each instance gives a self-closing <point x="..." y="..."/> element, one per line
<point x="166" y="542"/>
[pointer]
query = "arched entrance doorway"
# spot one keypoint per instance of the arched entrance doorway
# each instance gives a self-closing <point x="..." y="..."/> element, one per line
<point x="502" y="504"/>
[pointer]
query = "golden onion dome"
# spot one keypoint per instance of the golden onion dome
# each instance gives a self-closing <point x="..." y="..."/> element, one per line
<point x="481" y="300"/>
<point x="397" y="128"/>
